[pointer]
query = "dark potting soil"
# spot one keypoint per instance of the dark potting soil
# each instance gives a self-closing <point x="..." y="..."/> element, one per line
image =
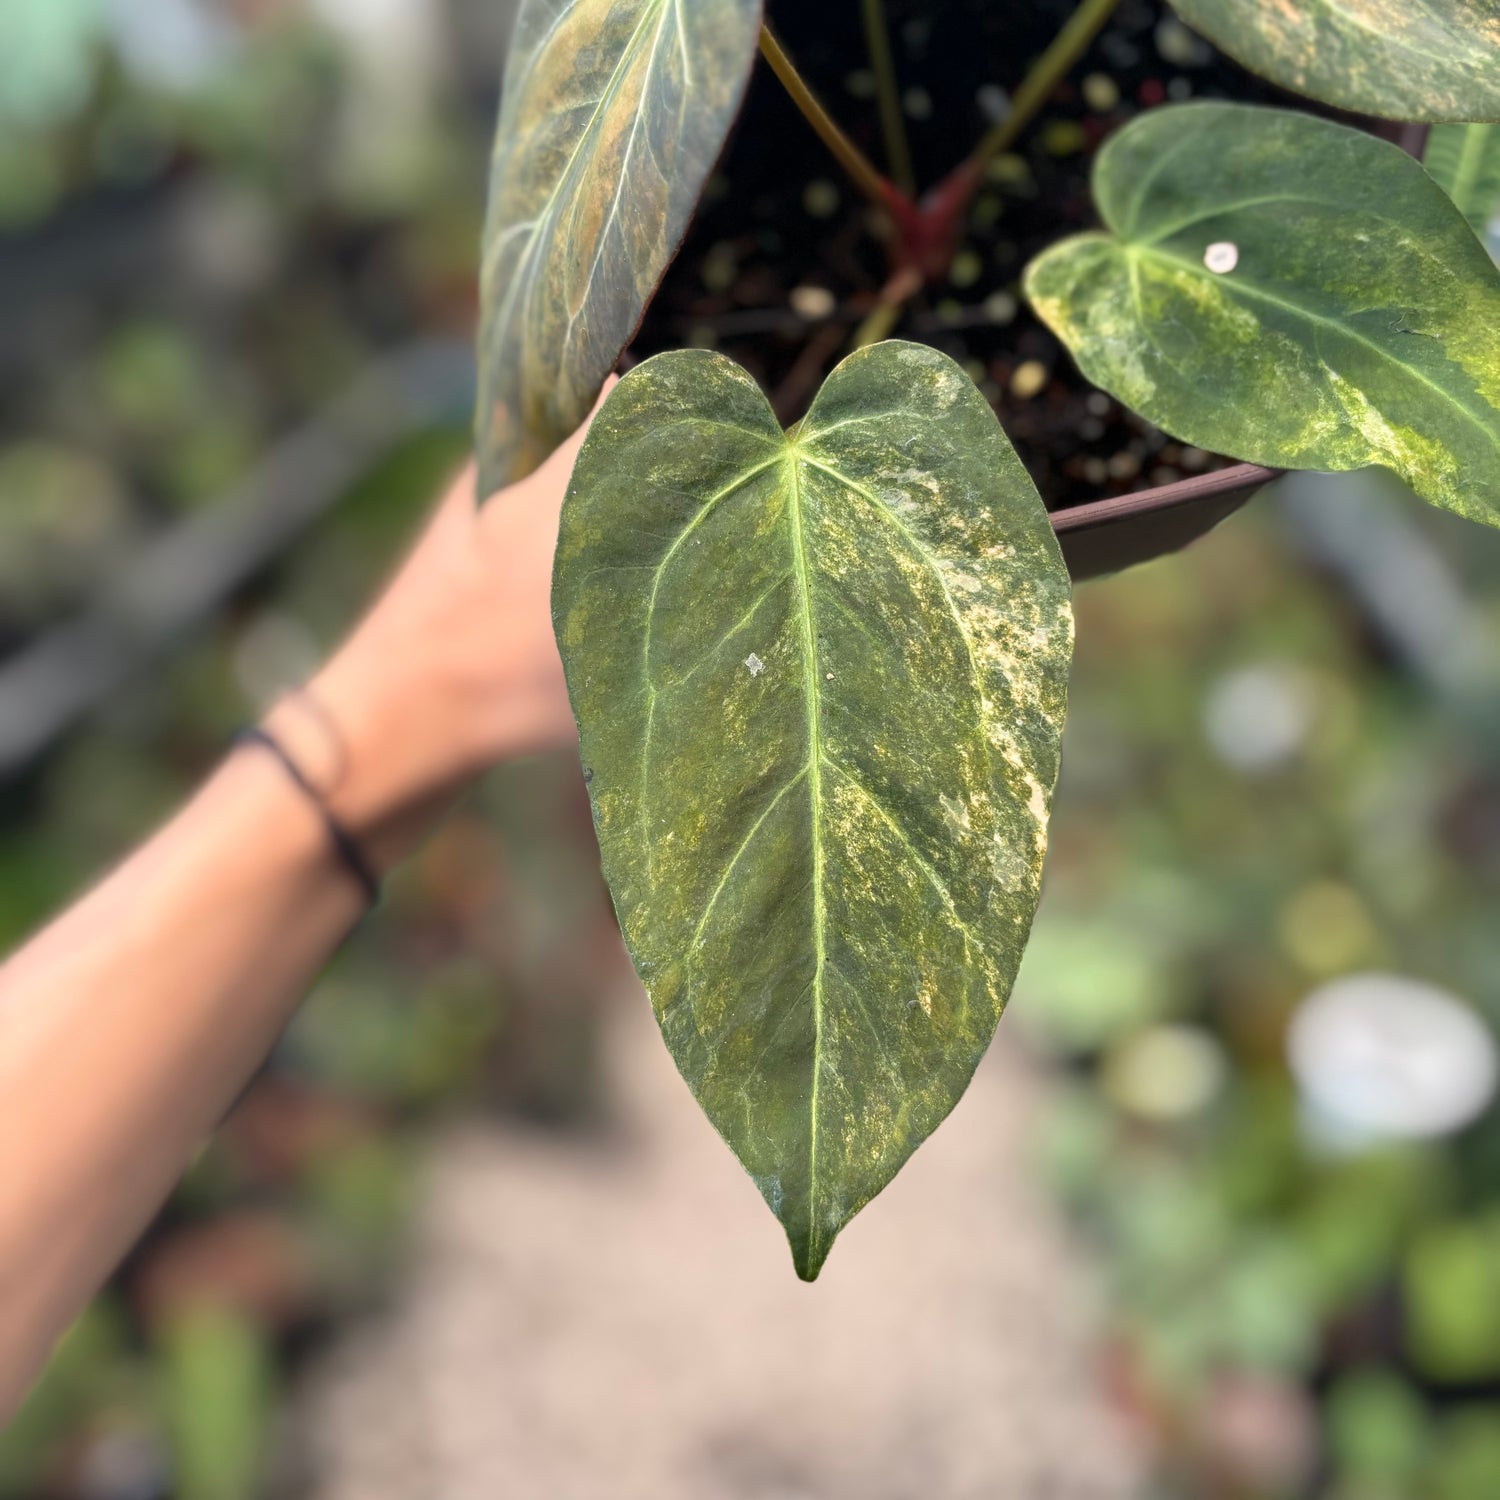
<point x="781" y="264"/>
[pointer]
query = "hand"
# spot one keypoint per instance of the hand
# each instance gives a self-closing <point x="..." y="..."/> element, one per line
<point x="454" y="670"/>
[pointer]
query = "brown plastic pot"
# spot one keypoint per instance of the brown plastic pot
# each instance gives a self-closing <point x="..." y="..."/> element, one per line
<point x="1107" y="535"/>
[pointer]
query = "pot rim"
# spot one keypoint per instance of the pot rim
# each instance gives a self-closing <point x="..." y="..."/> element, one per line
<point x="1160" y="497"/>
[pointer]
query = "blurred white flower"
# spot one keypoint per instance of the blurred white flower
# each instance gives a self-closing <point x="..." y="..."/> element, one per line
<point x="1384" y="1057"/>
<point x="1258" y="717"/>
<point x="170" y="44"/>
<point x="399" y="43"/>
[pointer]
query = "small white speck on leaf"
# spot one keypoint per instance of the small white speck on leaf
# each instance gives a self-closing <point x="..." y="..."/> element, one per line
<point x="829" y="676"/>
<point x="755" y="664"/>
<point x="1222" y="256"/>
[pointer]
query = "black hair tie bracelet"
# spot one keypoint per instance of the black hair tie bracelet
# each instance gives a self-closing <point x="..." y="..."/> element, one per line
<point x="350" y="855"/>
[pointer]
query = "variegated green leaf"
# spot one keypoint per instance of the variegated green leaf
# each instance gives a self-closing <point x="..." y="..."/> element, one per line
<point x="1403" y="59"/>
<point x="612" y="115"/>
<point x="820" y="679"/>
<point x="1465" y="161"/>
<point x="1291" y="292"/>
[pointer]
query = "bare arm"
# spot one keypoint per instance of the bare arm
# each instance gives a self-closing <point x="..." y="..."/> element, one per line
<point x="130" y="1024"/>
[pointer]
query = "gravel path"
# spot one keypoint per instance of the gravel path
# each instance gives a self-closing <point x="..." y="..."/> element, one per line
<point x="617" y="1319"/>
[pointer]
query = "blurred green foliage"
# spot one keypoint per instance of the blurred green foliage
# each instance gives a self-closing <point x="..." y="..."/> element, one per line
<point x="217" y="1372"/>
<point x="1254" y="801"/>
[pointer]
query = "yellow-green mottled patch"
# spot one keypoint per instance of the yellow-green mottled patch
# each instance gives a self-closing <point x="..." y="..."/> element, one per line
<point x="612" y="114"/>
<point x="820" y="679"/>
<point x="1404" y="59"/>
<point x="1290" y="292"/>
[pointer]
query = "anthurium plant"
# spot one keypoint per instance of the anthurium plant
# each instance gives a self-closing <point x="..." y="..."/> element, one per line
<point x="820" y="672"/>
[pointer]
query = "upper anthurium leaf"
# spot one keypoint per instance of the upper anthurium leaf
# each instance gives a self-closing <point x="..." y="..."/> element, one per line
<point x="612" y="115"/>
<point x="1403" y="59"/>
<point x="1291" y="292"/>
<point x="1465" y="161"/>
<point x="820" y="679"/>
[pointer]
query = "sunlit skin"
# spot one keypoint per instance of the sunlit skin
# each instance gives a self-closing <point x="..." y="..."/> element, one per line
<point x="129" y="1025"/>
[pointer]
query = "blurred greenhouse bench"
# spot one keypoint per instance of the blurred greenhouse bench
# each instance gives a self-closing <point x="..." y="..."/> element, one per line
<point x="175" y="582"/>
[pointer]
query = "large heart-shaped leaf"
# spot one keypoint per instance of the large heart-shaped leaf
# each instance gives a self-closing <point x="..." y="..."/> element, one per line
<point x="1403" y="59"/>
<point x="1290" y="292"/>
<point x="1465" y="161"/>
<point x="612" y="115"/>
<point x="820" y="679"/>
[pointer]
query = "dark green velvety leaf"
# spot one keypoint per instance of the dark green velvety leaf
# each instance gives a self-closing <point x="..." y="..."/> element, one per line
<point x="1291" y="292"/>
<point x="1403" y="59"/>
<point x="612" y="115"/>
<point x="1465" y="161"/>
<point x="820" y="679"/>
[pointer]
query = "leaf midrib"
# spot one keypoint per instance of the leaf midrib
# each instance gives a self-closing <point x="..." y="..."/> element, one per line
<point x="817" y="759"/>
<point x="814" y="699"/>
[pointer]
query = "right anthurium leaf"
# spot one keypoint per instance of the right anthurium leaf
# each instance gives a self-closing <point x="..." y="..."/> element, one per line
<point x="612" y="115"/>
<point x="1291" y="292"/>
<point x="1401" y="59"/>
<point x="820" y="678"/>
<point x="1465" y="160"/>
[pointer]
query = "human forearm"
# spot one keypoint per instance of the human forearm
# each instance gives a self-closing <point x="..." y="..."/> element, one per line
<point x="128" y="1026"/>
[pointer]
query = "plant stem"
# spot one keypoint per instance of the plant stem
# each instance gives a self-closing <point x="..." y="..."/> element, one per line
<point x="892" y="121"/>
<point x="1046" y="73"/>
<point x="861" y="172"/>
